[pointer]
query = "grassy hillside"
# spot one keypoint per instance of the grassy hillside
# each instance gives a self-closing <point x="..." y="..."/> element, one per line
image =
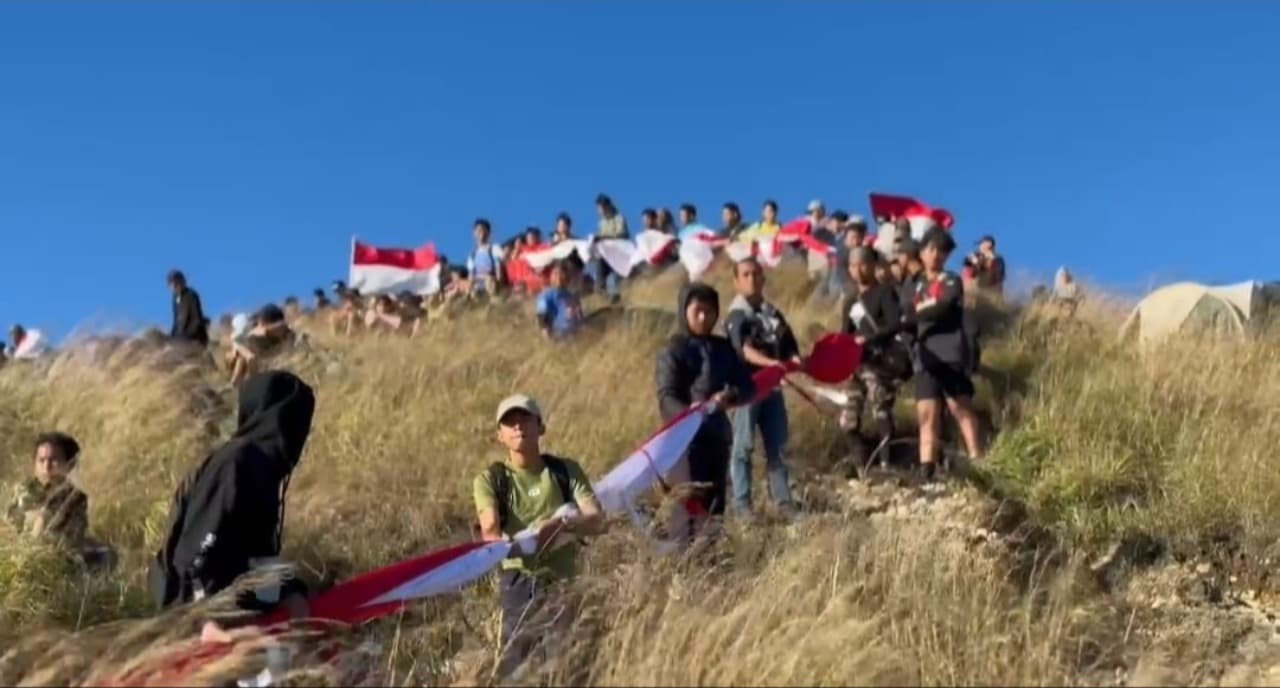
<point x="1098" y="442"/>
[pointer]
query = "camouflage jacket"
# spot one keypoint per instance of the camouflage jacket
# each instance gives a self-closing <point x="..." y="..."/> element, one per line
<point x="59" y="511"/>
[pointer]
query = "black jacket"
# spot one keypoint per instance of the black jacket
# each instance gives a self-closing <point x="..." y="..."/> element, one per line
<point x="938" y="315"/>
<point x="764" y="328"/>
<point x="692" y="369"/>
<point x="189" y="323"/>
<point x="230" y="509"/>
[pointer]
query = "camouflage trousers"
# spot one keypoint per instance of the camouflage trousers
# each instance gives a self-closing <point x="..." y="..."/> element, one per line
<point x="873" y="390"/>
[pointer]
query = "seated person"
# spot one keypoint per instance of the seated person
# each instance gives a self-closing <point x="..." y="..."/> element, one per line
<point x="349" y="312"/>
<point x="459" y="286"/>
<point x="269" y="336"/>
<point x="49" y="505"/>
<point x="559" y="310"/>
<point x="412" y="312"/>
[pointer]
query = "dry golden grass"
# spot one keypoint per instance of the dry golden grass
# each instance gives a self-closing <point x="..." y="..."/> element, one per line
<point x="402" y="426"/>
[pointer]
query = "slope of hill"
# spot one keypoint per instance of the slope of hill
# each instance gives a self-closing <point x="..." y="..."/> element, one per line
<point x="1126" y="507"/>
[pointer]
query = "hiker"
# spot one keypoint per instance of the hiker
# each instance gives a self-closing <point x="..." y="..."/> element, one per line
<point x="695" y="366"/>
<point x="411" y="309"/>
<point x="942" y="359"/>
<point x="558" y="307"/>
<point x="321" y="301"/>
<point x="189" y="324"/>
<point x="348" y="315"/>
<point x="987" y="267"/>
<point x="484" y="263"/>
<point x="564" y="228"/>
<point x="27" y="344"/>
<point x="227" y="516"/>
<point x="761" y="336"/>
<point x="818" y="266"/>
<point x="666" y="222"/>
<point x="871" y="313"/>
<point x="530" y="490"/>
<point x="851" y="232"/>
<point x="768" y="227"/>
<point x="49" y="505"/>
<point x="612" y="226"/>
<point x="649" y="220"/>
<point x="734" y="228"/>
<point x="906" y="257"/>
<point x="269" y="335"/>
<point x="1066" y="293"/>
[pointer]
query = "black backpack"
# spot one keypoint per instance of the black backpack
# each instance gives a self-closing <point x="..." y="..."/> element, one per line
<point x="500" y="481"/>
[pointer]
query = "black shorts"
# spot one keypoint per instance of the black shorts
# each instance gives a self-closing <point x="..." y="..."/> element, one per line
<point x="940" y="381"/>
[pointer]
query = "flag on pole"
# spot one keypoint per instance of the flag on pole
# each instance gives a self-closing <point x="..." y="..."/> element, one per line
<point x="376" y="270"/>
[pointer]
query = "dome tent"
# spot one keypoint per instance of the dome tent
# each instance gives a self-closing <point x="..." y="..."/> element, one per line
<point x="1234" y="309"/>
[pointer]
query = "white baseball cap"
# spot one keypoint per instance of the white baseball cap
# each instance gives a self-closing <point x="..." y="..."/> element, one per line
<point x="521" y="402"/>
<point x="816" y="204"/>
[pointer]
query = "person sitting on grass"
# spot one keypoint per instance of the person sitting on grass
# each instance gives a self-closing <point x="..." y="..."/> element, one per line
<point x="227" y="516"/>
<point x="559" y="309"/>
<point x="269" y="336"/>
<point x="49" y="505"/>
<point x="697" y="366"/>
<point x="531" y="489"/>
<point x="349" y="312"/>
<point x="942" y="365"/>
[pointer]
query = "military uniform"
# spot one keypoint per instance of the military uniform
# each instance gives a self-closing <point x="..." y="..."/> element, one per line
<point x="875" y="316"/>
<point x="58" y="511"/>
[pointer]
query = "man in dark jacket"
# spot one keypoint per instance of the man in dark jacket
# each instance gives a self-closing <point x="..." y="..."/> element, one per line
<point x="871" y="313"/>
<point x="227" y="517"/>
<point x="698" y="366"/>
<point x="189" y="323"/>
<point x="761" y="336"/>
<point x="942" y="355"/>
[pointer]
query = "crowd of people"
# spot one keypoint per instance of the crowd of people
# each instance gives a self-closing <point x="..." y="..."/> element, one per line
<point x="894" y="292"/>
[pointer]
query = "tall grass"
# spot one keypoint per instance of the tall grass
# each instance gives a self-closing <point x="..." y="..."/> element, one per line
<point x="1096" y="439"/>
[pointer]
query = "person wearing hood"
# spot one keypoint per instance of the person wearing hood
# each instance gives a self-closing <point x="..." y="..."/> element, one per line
<point x="227" y="516"/>
<point x="695" y="366"/>
<point x="761" y="336"/>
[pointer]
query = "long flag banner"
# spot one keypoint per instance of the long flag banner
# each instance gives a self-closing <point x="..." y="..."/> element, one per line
<point x="835" y="357"/>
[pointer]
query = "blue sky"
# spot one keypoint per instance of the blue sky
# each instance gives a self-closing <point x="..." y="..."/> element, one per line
<point x="247" y="142"/>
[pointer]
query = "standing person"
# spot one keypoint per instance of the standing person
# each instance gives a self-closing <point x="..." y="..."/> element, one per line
<point x="871" y="313"/>
<point x="558" y="308"/>
<point x="666" y="222"/>
<point x="564" y="228"/>
<point x="851" y="232"/>
<point x="767" y="227"/>
<point x="321" y="302"/>
<point x="612" y="226"/>
<point x="988" y="267"/>
<point x="530" y="490"/>
<point x="227" y="516"/>
<point x="484" y="263"/>
<point x="649" y="220"/>
<point x="734" y="228"/>
<point x="942" y="359"/>
<point x="695" y="366"/>
<point x="761" y="336"/>
<point x="689" y="219"/>
<point x="189" y="323"/>
<point x="820" y="229"/>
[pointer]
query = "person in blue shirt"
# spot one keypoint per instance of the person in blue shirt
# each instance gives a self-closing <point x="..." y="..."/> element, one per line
<point x="485" y="262"/>
<point x="559" y="310"/>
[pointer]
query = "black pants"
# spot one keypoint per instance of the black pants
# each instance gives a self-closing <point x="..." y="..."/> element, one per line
<point x="709" y="462"/>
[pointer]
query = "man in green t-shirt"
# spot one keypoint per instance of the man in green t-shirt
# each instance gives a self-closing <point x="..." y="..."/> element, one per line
<point x="537" y="491"/>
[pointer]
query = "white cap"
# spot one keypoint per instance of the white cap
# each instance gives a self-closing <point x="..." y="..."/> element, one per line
<point x="522" y="402"/>
<point x="816" y="204"/>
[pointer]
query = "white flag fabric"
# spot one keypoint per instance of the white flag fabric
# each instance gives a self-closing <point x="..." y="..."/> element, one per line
<point x="696" y="256"/>
<point x="649" y="464"/>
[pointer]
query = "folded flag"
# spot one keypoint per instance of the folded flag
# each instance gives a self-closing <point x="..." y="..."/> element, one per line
<point x="376" y="270"/>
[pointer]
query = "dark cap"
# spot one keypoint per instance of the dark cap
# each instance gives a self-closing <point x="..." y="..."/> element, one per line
<point x="840" y="216"/>
<point x="270" y="314"/>
<point x="987" y="237"/>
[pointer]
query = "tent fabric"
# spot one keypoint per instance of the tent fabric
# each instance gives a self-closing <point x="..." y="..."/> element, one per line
<point x="1227" y="309"/>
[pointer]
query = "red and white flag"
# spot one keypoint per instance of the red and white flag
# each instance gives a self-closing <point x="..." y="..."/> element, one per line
<point x="920" y="216"/>
<point x="539" y="259"/>
<point x="377" y="270"/>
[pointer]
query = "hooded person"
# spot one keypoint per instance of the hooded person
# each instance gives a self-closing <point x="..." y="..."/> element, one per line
<point x="227" y="516"/>
<point x="695" y="366"/>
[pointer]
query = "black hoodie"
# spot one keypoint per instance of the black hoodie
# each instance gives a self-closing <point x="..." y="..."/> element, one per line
<point x="692" y="369"/>
<point x="230" y="509"/>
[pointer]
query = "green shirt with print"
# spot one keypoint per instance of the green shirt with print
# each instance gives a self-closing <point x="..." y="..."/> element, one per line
<point x="534" y="496"/>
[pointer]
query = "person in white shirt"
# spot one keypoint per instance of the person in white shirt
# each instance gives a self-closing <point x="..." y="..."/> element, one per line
<point x="27" y="344"/>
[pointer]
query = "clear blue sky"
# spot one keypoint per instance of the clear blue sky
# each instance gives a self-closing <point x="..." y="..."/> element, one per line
<point x="247" y="142"/>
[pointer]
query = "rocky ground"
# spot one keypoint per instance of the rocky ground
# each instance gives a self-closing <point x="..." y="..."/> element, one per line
<point x="1191" y="622"/>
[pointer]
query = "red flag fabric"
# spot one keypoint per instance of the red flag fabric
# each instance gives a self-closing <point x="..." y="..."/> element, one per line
<point x="835" y="358"/>
<point x="893" y="207"/>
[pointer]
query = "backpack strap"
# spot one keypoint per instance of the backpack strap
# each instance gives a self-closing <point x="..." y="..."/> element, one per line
<point x="560" y="474"/>
<point x="500" y="481"/>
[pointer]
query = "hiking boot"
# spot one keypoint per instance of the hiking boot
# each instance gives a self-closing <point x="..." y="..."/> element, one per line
<point x="928" y="472"/>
